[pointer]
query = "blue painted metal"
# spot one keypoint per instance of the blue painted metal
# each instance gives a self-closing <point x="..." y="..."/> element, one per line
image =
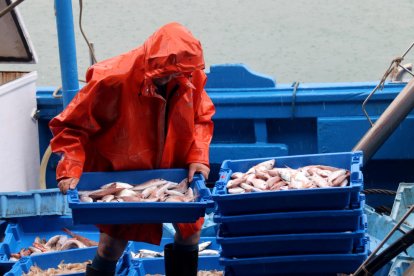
<point x="342" y="133"/>
<point x="236" y="76"/>
<point x="67" y="50"/>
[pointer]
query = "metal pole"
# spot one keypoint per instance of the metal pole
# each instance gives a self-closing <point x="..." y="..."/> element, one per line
<point x="67" y="50"/>
<point x="91" y="54"/>
<point x="396" y="112"/>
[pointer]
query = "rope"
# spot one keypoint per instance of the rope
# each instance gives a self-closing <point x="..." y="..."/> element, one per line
<point x="395" y="63"/>
<point x="55" y="93"/>
<point x="379" y="191"/>
<point x="383" y="209"/>
<point x="83" y="33"/>
<point x="10" y="7"/>
<point x="295" y="86"/>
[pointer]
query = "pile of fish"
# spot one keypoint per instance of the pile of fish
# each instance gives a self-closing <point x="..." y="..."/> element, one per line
<point x="55" y="243"/>
<point x="266" y="177"/>
<point x="154" y="190"/>
<point x="62" y="269"/>
<point x="202" y="251"/>
<point x="199" y="273"/>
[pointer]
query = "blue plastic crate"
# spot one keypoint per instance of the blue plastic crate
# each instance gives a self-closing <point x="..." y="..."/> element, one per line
<point x="291" y="200"/>
<point x="292" y="222"/>
<point x="156" y="266"/>
<point x="127" y="261"/>
<point x="292" y="244"/>
<point x="33" y="203"/>
<point x="21" y="233"/>
<point x="138" y="212"/>
<point x="323" y="264"/>
<point x="52" y="261"/>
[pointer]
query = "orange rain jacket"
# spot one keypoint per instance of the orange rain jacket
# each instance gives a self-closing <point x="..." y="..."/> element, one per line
<point x="118" y="121"/>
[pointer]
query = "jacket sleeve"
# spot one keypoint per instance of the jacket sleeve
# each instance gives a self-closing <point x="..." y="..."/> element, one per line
<point x="203" y="131"/>
<point x="92" y="108"/>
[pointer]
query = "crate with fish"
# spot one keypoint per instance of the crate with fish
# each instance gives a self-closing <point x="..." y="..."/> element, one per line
<point x="316" y="264"/>
<point x="292" y="222"/>
<point x="292" y="244"/>
<point x="305" y="182"/>
<point x="33" y="203"/>
<point x="148" y="196"/>
<point x="136" y="251"/>
<point x="60" y="263"/>
<point x="147" y="267"/>
<point x="44" y="235"/>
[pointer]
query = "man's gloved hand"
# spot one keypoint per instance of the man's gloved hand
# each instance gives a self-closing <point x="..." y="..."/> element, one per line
<point x="68" y="183"/>
<point x="197" y="167"/>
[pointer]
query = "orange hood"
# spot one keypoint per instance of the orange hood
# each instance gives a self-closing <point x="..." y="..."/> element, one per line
<point x="172" y="49"/>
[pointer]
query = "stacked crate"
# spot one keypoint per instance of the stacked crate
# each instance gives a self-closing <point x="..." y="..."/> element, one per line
<point x="319" y="231"/>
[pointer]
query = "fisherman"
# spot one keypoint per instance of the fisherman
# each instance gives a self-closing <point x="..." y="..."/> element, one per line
<point x="144" y="109"/>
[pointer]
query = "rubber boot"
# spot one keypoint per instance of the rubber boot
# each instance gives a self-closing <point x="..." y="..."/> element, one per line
<point x="180" y="262"/>
<point x="90" y="271"/>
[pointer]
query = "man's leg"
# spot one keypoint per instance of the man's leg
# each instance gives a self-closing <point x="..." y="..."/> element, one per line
<point x="181" y="257"/>
<point x="109" y="251"/>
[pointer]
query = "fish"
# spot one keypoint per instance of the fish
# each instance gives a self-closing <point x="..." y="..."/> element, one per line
<point x="72" y="243"/>
<point x="340" y="179"/>
<point x="319" y="181"/>
<point x="174" y="192"/>
<point x="203" y="245"/>
<point x="208" y="252"/>
<point x="125" y="192"/>
<point x="86" y="199"/>
<point x="108" y="198"/>
<point x="263" y="166"/>
<point x="80" y="238"/>
<point x="182" y="186"/>
<point x="246" y="187"/>
<point x="129" y="199"/>
<point x="52" y="242"/>
<point x="237" y="175"/>
<point x="162" y="190"/>
<point x="271" y="181"/>
<point x="150" y="183"/>
<point x="62" y="269"/>
<point x="103" y="192"/>
<point x="236" y="191"/>
<point x="259" y="183"/>
<point x="147" y="192"/>
<point x="335" y="175"/>
<point x="117" y="185"/>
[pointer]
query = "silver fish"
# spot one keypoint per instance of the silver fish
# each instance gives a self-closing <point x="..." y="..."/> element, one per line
<point x="208" y="252"/>
<point x="203" y="245"/>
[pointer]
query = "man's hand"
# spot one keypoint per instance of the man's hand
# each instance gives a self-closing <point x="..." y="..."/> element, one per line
<point x="68" y="183"/>
<point x="197" y="167"/>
